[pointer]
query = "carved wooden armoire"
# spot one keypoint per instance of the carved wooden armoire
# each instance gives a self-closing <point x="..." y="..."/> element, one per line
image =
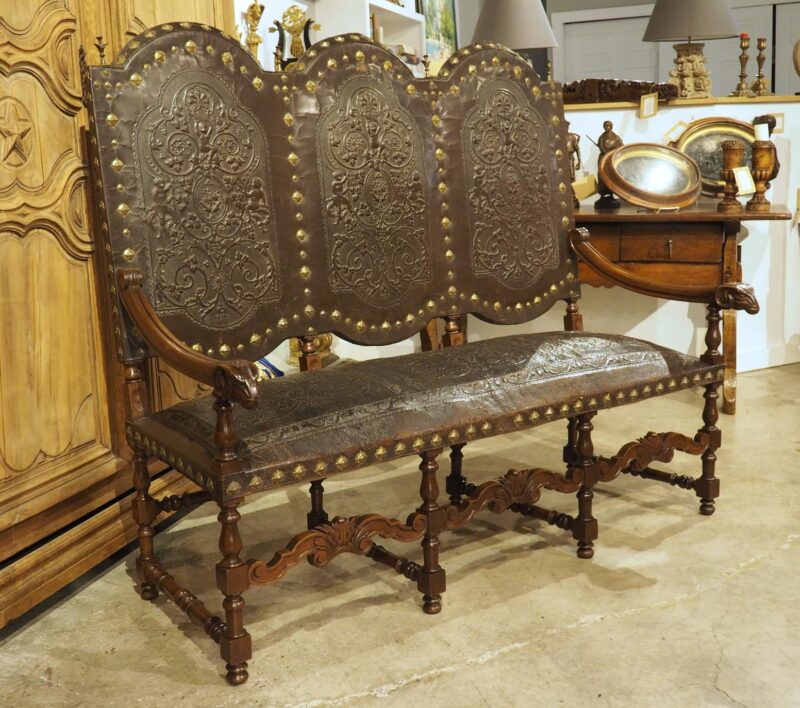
<point x="64" y="482"/>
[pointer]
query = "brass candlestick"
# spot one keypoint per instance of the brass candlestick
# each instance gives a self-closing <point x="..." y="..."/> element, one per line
<point x="741" y="88"/>
<point x="759" y="86"/>
<point x="732" y="157"/>
<point x="763" y="166"/>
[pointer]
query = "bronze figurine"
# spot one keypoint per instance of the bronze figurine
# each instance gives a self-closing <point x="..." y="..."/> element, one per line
<point x="607" y="142"/>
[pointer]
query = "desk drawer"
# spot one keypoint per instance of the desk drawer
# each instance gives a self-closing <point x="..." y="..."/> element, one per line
<point x="671" y="243"/>
<point x="605" y="238"/>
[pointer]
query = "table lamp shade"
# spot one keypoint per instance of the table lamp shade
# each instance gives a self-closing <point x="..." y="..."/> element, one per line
<point x="519" y="24"/>
<point x="677" y="20"/>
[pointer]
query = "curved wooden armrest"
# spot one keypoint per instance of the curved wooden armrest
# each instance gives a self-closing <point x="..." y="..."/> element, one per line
<point x="730" y="296"/>
<point x="231" y="380"/>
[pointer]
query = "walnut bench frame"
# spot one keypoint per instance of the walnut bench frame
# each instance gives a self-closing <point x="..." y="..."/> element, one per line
<point x="225" y="195"/>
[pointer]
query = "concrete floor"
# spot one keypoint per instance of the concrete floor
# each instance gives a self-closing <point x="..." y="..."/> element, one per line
<point x="676" y="609"/>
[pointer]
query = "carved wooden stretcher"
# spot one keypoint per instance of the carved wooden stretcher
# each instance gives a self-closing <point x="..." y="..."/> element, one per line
<point x="237" y="208"/>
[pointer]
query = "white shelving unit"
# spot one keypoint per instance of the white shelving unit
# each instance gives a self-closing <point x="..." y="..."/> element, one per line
<point x="401" y="25"/>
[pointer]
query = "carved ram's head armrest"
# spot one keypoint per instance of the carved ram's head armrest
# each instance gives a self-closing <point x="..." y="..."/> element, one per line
<point x="737" y="296"/>
<point x="233" y="381"/>
<point x="236" y="381"/>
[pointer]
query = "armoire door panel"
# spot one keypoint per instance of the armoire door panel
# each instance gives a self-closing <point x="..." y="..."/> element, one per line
<point x="63" y="481"/>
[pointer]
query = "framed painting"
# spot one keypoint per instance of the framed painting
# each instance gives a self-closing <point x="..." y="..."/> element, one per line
<point x="441" y="38"/>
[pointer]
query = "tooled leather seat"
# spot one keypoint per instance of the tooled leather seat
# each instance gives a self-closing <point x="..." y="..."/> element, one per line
<point x="356" y="414"/>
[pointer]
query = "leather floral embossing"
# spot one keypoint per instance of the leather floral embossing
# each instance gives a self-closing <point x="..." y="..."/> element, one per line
<point x="208" y="216"/>
<point x="375" y="200"/>
<point x="510" y="190"/>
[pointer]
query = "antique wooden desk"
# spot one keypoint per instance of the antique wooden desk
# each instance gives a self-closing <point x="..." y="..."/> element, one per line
<point x="693" y="246"/>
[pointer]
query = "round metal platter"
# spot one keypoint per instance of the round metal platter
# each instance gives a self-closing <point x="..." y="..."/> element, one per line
<point x="702" y="141"/>
<point x="651" y="176"/>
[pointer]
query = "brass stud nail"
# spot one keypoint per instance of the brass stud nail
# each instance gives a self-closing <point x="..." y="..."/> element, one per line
<point x="224" y="349"/>
<point x="385" y="326"/>
<point x="400" y="448"/>
<point x="283" y="323"/>
<point x="519" y="419"/>
<point x="556" y="120"/>
<point x="123" y="209"/>
<point x="359" y="55"/>
<point x="293" y="158"/>
<point x="297" y="197"/>
<point x="470" y="431"/>
<point x="255" y="338"/>
<point x="486" y="427"/>
<point x="361" y="457"/>
<point x="436" y="440"/>
<point x="361" y="325"/>
<point x="159" y="56"/>
<point x="442" y="187"/>
<point x="299" y="471"/>
<point x="336" y="315"/>
<point x="549" y="412"/>
<point x="117" y="164"/>
<point x="562" y="187"/>
<point x="311" y="86"/>
<point x="308" y="310"/>
<point x="411" y="89"/>
<point x="380" y="453"/>
<point x="431" y="305"/>
<point x="129" y="254"/>
<point x="258" y="83"/>
<point x="190" y="47"/>
<point x="288" y="118"/>
<point x="418" y="444"/>
<point x="452" y="436"/>
<point x="136" y="80"/>
<point x="331" y="63"/>
<point x="565" y="222"/>
<point x="341" y="462"/>
<point x="564" y="408"/>
<point x="112" y="119"/>
<point x="449" y="255"/>
<point x="533" y="416"/>
<point x="321" y="466"/>
<point x="409" y="318"/>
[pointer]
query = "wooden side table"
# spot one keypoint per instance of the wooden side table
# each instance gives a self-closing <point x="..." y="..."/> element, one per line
<point x="694" y="246"/>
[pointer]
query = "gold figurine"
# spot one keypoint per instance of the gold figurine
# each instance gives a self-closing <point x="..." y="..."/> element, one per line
<point x="252" y="16"/>
<point x="294" y="21"/>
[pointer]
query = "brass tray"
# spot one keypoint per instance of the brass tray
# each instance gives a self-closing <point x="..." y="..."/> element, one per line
<point x="651" y="176"/>
<point x="702" y="141"/>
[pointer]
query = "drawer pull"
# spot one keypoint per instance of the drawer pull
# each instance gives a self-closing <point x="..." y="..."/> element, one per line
<point x="669" y="248"/>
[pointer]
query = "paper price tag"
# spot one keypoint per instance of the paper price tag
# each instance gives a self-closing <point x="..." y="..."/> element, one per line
<point x="744" y="181"/>
<point x="648" y="105"/>
<point x="674" y="132"/>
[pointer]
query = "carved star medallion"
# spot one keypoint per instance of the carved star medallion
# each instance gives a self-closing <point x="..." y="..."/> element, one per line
<point x="15" y="132"/>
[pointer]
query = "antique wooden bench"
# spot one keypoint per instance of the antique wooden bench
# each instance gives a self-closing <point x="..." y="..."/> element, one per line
<point x="236" y="208"/>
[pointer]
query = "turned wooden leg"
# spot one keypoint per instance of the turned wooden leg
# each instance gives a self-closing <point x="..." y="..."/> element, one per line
<point x="570" y="454"/>
<point x="455" y="482"/>
<point x="707" y="485"/>
<point x="431" y="579"/>
<point x="145" y="509"/>
<point x="232" y="580"/>
<point x="317" y="515"/>
<point x="584" y="528"/>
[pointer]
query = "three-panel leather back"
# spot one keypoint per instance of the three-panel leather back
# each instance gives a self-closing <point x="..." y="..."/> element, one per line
<point x="344" y="196"/>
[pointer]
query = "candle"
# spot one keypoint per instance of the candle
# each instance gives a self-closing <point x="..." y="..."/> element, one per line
<point x="744" y="35"/>
<point x="762" y="131"/>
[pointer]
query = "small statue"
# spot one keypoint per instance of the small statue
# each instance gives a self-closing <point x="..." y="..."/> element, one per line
<point x="252" y="16"/>
<point x="607" y="142"/>
<point x="574" y="154"/>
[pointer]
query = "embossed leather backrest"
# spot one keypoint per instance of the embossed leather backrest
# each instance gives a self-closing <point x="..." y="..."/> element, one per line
<point x="345" y="196"/>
